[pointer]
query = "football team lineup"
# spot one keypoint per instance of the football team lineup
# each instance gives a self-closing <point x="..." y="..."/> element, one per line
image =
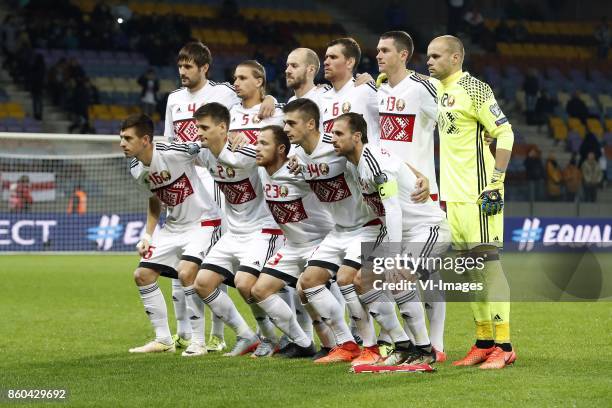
<point x="290" y="192"/>
<point x="257" y="286"/>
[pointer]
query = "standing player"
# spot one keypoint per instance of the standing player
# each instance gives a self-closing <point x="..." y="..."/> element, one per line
<point x="408" y="113"/>
<point x="354" y="221"/>
<point x="194" y="61"/>
<point x="472" y="184"/>
<point x="304" y="223"/>
<point x="193" y="221"/>
<point x="341" y="60"/>
<point x="387" y="184"/>
<point x="250" y="85"/>
<point x="252" y="236"/>
<point x="302" y="68"/>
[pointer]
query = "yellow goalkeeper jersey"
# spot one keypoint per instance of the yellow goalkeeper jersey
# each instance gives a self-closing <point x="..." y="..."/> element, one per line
<point x="467" y="106"/>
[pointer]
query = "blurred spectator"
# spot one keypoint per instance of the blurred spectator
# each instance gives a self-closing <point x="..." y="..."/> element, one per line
<point x="572" y="178"/>
<point x="590" y="144"/>
<point x="455" y="16"/>
<point x="545" y="107"/>
<point x="149" y="84"/>
<point x="554" y="178"/>
<point x="534" y="169"/>
<point x="85" y="94"/>
<point x="77" y="203"/>
<point x="8" y="37"/>
<point x="604" y="37"/>
<point x="531" y="86"/>
<point x="577" y="108"/>
<point x="474" y="24"/>
<point x="36" y="82"/>
<point x="603" y="165"/>
<point x="592" y="176"/>
<point x="56" y="79"/>
<point x="20" y="194"/>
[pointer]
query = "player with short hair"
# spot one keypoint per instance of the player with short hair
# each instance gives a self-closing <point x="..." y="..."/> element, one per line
<point x="301" y="70"/>
<point x="472" y="184"/>
<point x="167" y="172"/>
<point x="408" y="113"/>
<point x="387" y="184"/>
<point x="354" y="221"/>
<point x="250" y="85"/>
<point x="341" y="60"/>
<point x="304" y="223"/>
<point x="252" y="236"/>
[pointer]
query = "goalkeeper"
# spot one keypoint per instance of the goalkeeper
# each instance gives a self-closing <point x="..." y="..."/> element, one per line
<point x="472" y="184"/>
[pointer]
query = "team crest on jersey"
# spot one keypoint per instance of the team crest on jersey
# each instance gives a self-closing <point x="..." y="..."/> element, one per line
<point x="284" y="191"/>
<point x="324" y="169"/>
<point x="400" y="104"/>
<point x="495" y="109"/>
<point x="448" y="100"/>
<point x="165" y="175"/>
<point x="346" y="107"/>
<point x="231" y="173"/>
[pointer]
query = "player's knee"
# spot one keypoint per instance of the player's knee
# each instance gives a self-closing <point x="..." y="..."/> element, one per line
<point x="260" y="292"/>
<point x="344" y="279"/>
<point x="187" y="277"/>
<point x="244" y="287"/>
<point x="313" y="276"/>
<point x="202" y="285"/>
<point x="144" y="276"/>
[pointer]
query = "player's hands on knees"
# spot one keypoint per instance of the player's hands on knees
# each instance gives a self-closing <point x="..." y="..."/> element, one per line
<point x="364" y="78"/>
<point x="143" y="245"/>
<point x="238" y="140"/>
<point x="267" y="107"/>
<point x="294" y="165"/>
<point x="421" y="192"/>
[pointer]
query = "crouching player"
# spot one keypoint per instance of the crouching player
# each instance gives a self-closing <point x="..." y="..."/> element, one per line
<point x="387" y="184"/>
<point x="252" y="236"/>
<point x="304" y="223"/>
<point x="167" y="172"/>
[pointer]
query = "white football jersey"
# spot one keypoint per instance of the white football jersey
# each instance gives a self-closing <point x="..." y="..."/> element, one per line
<point x="180" y="125"/>
<point x="246" y="120"/>
<point x="359" y="99"/>
<point x="315" y="94"/>
<point x="408" y="113"/>
<point x="294" y="206"/>
<point x="380" y="172"/>
<point x="236" y="175"/>
<point x="172" y="177"/>
<point x="336" y="189"/>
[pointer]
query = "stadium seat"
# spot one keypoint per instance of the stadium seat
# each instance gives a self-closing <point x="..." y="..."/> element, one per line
<point x="576" y="125"/>
<point x="594" y="126"/>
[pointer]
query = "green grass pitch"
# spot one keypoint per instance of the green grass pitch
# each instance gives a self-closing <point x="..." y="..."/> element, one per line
<point x="68" y="321"/>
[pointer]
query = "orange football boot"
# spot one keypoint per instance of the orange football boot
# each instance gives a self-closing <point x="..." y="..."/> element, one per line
<point x="474" y="356"/>
<point x="345" y="352"/>
<point x="369" y="355"/>
<point x="498" y="359"/>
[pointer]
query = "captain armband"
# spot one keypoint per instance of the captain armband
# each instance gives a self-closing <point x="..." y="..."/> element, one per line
<point x="388" y="189"/>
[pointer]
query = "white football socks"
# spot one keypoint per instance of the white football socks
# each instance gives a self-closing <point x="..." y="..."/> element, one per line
<point x="195" y="312"/>
<point x="281" y="315"/>
<point x="365" y="325"/>
<point x="183" y="327"/>
<point x="222" y="306"/>
<point x="328" y="308"/>
<point x="155" y="308"/>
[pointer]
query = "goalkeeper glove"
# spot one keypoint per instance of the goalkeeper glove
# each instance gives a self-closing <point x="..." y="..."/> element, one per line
<point x="491" y="199"/>
<point x="380" y="79"/>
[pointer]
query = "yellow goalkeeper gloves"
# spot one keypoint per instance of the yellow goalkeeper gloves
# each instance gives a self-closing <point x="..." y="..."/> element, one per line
<point x="491" y="200"/>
